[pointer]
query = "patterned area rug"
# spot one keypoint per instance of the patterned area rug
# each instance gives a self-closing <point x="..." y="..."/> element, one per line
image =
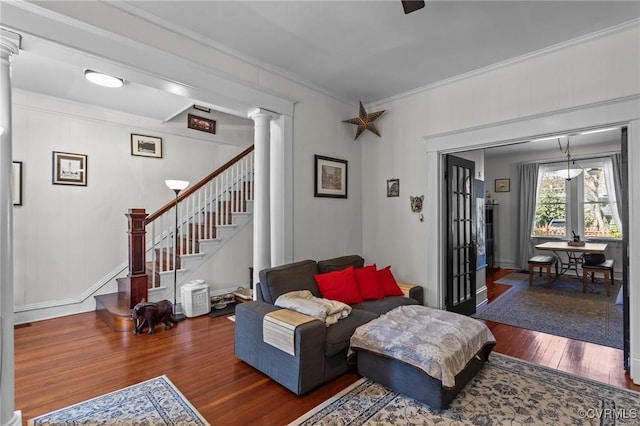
<point x="154" y="402"/>
<point x="506" y="391"/>
<point x="562" y="310"/>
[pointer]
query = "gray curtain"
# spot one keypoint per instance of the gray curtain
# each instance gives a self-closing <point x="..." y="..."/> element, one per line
<point x="616" y="165"/>
<point x="527" y="188"/>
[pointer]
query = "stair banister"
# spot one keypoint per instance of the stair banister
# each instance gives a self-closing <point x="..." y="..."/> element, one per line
<point x="202" y="208"/>
<point x="187" y="192"/>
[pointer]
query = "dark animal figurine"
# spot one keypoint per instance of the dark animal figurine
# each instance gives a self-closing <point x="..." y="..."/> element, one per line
<point x="151" y="313"/>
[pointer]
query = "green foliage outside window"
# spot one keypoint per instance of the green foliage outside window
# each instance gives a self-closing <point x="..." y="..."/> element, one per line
<point x="597" y="211"/>
<point x="551" y="208"/>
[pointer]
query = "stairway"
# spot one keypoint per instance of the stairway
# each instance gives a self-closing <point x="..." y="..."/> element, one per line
<point x="209" y="214"/>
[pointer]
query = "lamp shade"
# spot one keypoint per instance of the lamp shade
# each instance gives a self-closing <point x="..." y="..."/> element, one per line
<point x="176" y="185"/>
<point x="569" y="173"/>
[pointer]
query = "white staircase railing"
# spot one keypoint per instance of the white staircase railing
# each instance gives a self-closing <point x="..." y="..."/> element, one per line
<point x="203" y="210"/>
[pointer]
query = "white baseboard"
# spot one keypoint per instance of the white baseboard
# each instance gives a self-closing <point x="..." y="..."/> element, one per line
<point x="481" y="295"/>
<point x="635" y="367"/>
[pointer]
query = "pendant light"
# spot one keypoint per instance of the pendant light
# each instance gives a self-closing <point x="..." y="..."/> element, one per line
<point x="573" y="170"/>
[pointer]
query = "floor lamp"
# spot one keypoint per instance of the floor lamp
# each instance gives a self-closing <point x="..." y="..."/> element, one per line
<point x="176" y="186"/>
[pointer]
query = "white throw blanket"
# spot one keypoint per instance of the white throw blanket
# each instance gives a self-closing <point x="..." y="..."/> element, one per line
<point x="303" y="301"/>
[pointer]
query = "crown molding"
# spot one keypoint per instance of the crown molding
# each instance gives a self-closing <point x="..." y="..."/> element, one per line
<point x="518" y="59"/>
<point x="207" y="41"/>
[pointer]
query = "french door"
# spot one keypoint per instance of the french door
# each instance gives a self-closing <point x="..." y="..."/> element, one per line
<point x="461" y="236"/>
<point x="625" y="248"/>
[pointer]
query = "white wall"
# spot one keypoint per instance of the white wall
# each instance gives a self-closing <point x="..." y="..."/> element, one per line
<point x="596" y="70"/>
<point x="228" y="269"/>
<point x="68" y="238"/>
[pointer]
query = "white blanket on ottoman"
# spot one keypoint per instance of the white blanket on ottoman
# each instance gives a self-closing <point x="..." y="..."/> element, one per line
<point x="440" y="343"/>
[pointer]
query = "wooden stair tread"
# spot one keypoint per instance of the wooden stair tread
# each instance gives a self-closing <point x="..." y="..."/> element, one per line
<point x="113" y="312"/>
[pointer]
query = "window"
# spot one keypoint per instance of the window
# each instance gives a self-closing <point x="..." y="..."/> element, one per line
<point x="584" y="206"/>
<point x="599" y="219"/>
<point x="551" y="206"/>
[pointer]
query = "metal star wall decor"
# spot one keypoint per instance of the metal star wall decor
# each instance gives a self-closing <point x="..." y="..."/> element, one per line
<point x="365" y="121"/>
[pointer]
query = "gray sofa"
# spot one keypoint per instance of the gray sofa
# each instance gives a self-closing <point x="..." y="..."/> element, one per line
<point x="320" y="351"/>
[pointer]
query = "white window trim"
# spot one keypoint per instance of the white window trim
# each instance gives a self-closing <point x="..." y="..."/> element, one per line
<point x="575" y="198"/>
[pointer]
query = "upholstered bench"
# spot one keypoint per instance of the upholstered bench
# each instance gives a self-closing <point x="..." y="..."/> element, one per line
<point x="427" y="354"/>
<point x="542" y="261"/>
<point x="605" y="267"/>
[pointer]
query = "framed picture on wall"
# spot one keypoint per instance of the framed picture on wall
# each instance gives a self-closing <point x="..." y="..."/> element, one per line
<point x="393" y="187"/>
<point x="503" y="185"/>
<point x="146" y="146"/>
<point x="330" y="177"/>
<point x="69" y="169"/>
<point x="200" y="123"/>
<point x="16" y="183"/>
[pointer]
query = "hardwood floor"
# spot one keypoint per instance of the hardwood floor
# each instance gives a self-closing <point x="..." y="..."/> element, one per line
<point x="67" y="360"/>
<point x="600" y="363"/>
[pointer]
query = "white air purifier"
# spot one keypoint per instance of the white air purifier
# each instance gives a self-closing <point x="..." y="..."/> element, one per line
<point x="195" y="298"/>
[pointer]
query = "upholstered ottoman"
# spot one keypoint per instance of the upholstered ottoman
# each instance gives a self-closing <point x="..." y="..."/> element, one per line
<point x="427" y="354"/>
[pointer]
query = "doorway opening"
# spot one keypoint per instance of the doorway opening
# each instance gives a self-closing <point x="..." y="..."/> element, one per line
<point x="585" y="206"/>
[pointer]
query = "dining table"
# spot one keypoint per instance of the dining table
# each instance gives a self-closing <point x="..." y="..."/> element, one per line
<point x="572" y="254"/>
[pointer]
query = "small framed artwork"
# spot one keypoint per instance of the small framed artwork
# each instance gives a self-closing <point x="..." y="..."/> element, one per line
<point x="16" y="183"/>
<point x="69" y="169"/>
<point x="146" y="146"/>
<point x="202" y="108"/>
<point x="503" y="185"/>
<point x="330" y="177"/>
<point x="393" y="187"/>
<point x="201" y="123"/>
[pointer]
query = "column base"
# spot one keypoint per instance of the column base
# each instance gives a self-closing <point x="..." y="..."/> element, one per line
<point x="16" y="420"/>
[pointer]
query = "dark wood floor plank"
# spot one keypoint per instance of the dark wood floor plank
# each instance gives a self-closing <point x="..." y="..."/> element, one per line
<point x="67" y="360"/>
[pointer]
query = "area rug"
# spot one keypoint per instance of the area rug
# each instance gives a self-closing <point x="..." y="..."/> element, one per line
<point x="154" y="402"/>
<point x="506" y="391"/>
<point x="562" y="310"/>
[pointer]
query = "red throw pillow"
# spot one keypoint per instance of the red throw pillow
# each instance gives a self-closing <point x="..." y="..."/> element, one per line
<point x="388" y="283"/>
<point x="339" y="285"/>
<point x="367" y="280"/>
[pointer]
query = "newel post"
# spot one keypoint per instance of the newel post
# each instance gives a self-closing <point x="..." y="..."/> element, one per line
<point x="137" y="277"/>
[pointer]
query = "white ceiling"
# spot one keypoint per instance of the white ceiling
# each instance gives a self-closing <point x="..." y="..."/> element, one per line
<point x="371" y="50"/>
<point x="354" y="50"/>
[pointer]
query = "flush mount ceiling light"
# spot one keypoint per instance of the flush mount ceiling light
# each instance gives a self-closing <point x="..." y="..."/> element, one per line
<point x="102" y="79"/>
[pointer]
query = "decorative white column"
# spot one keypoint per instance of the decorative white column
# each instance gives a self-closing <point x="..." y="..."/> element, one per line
<point x="276" y="189"/>
<point x="281" y="190"/>
<point x="9" y="45"/>
<point x="261" y="195"/>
